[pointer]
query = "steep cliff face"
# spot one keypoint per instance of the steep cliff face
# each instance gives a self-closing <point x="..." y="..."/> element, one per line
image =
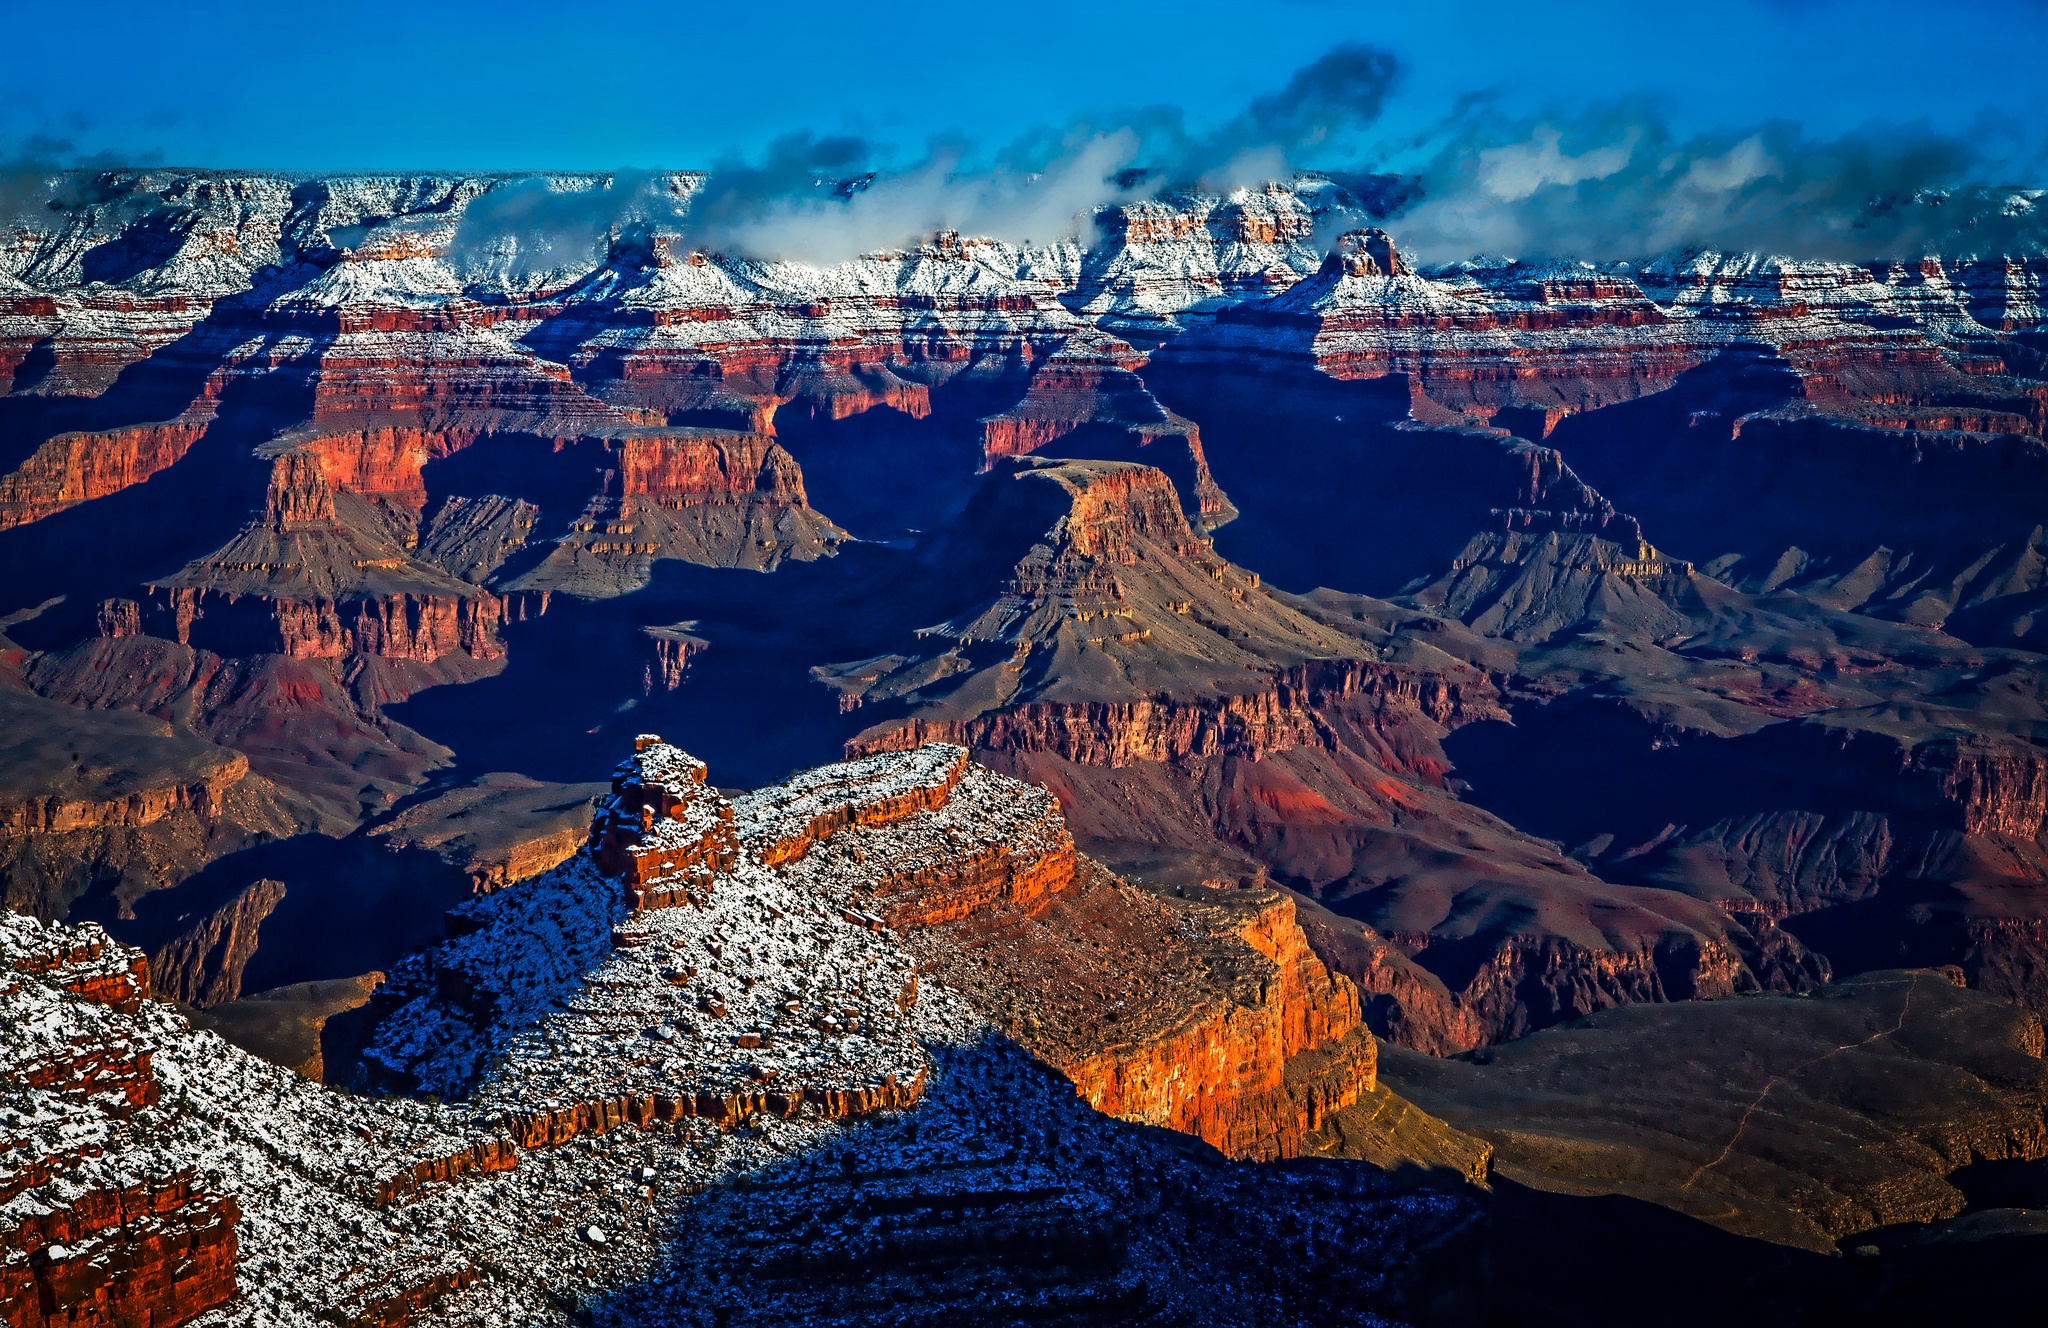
<point x="1529" y="345"/>
<point x="1086" y="400"/>
<point x="203" y="965"/>
<point x="1326" y="770"/>
<point x="1113" y="598"/>
<point x="1209" y="1016"/>
<point x="1169" y="730"/>
<point x="1256" y="1073"/>
<point x="74" y="468"/>
<point x="700" y="495"/>
<point x="498" y="829"/>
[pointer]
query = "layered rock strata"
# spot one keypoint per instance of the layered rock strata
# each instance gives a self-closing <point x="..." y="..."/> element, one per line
<point x="327" y="575"/>
<point x="1202" y="1011"/>
<point x="1086" y="399"/>
<point x="562" y="1017"/>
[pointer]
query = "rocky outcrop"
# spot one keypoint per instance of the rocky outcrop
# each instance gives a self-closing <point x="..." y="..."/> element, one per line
<point x="106" y="799"/>
<point x="203" y="964"/>
<point x="498" y="829"/>
<point x="1113" y="602"/>
<point x="319" y="576"/>
<point x="1258" y="1075"/>
<point x="644" y="1040"/>
<point x="674" y="647"/>
<point x="704" y="496"/>
<point x="1087" y="400"/>
<point x="661" y="823"/>
<point x="1167" y="729"/>
<point x="1200" y="1010"/>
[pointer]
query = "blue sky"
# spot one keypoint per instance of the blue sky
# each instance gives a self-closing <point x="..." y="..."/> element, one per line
<point x="514" y="84"/>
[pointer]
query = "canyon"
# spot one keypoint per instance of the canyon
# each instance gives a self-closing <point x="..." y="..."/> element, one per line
<point x="1215" y="683"/>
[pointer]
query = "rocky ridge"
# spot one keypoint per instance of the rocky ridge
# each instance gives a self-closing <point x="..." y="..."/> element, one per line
<point x="585" y="1037"/>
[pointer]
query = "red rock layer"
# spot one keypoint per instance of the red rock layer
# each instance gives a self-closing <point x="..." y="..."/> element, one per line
<point x="56" y="814"/>
<point x="857" y="804"/>
<point x="2000" y="789"/>
<point x="89" y="335"/>
<point x="1167" y="730"/>
<point x="995" y="874"/>
<point x="662" y="833"/>
<point x="157" y="1255"/>
<point x="422" y="628"/>
<point x="550" y="1128"/>
<point x="674" y="648"/>
<point x="75" y="467"/>
<point x="478" y="1159"/>
<point x="382" y="461"/>
<point x="155" y="1250"/>
<point x="1253" y="1078"/>
<point x="1253" y="1072"/>
<point x="1092" y="381"/>
<point x="683" y="467"/>
<point x="309" y="580"/>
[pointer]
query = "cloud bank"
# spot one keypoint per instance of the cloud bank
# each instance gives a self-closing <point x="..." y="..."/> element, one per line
<point x="1618" y="182"/>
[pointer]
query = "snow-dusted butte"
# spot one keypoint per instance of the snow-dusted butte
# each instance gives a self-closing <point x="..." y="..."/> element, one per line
<point x="705" y="1087"/>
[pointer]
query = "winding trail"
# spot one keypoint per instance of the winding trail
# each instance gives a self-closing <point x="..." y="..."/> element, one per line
<point x="1905" y="1008"/>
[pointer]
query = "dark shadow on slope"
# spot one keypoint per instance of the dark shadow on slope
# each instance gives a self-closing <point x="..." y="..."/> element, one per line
<point x="110" y="546"/>
<point x="558" y="478"/>
<point x="350" y="905"/>
<point x="158" y="387"/>
<point x="35" y="366"/>
<point x="577" y="684"/>
<point x="1333" y="487"/>
<point x="1003" y="1198"/>
<point x="141" y="246"/>
<point x="882" y="473"/>
<point x="1711" y="483"/>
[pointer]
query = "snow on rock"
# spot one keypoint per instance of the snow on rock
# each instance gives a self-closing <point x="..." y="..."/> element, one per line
<point x="642" y="1105"/>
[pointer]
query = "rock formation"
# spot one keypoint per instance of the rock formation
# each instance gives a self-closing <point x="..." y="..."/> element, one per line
<point x="498" y="829"/>
<point x="1209" y="712"/>
<point x="203" y="964"/>
<point x="711" y="1051"/>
